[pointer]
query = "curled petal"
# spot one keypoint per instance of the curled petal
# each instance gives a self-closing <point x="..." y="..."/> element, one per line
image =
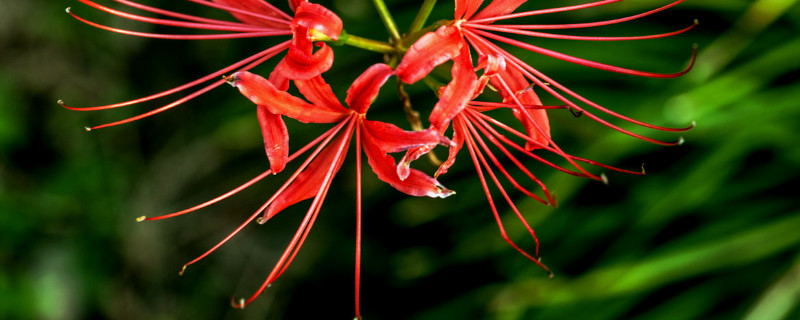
<point x="365" y="88"/>
<point x="458" y="143"/>
<point x="457" y="93"/>
<point x="317" y="17"/>
<point x="262" y="92"/>
<point x="276" y="138"/>
<point x="431" y="50"/>
<point x="491" y="64"/>
<point x="319" y="93"/>
<point x="308" y="182"/>
<point x="417" y="184"/>
<point x="299" y="65"/>
<point x="293" y="4"/>
<point x="390" y="138"/>
<point x="278" y="76"/>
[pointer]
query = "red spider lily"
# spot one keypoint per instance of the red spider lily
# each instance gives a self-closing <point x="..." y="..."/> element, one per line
<point x="515" y="82"/>
<point x="256" y="19"/>
<point x="313" y="178"/>
<point x="513" y="78"/>
<point x="470" y="124"/>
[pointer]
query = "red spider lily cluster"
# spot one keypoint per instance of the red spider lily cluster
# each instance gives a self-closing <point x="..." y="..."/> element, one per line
<point x="473" y="41"/>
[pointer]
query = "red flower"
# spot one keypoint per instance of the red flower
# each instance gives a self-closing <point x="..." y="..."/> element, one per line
<point x="313" y="178"/>
<point x="514" y="83"/>
<point x="256" y="19"/>
<point x="515" y="80"/>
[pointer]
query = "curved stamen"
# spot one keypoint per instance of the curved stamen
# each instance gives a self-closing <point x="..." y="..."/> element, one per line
<point x="474" y="155"/>
<point x="527" y="70"/>
<point x="584" y="62"/>
<point x="248" y="183"/>
<point x="502" y="169"/>
<point x="254" y="34"/>
<point x="472" y="38"/>
<point x="482" y="118"/>
<point x="306" y="224"/>
<point x="261" y="57"/>
<point x="511" y="29"/>
<point x="331" y="133"/>
<point x="488" y="106"/>
<point x="178" y="15"/>
<point x="543" y="11"/>
<point x="598" y="23"/>
<point x="175" y="23"/>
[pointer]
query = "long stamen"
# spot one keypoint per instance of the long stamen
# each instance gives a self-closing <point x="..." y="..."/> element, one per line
<point x="480" y="126"/>
<point x="331" y="133"/>
<point x="543" y="11"/>
<point x="489" y="106"/>
<point x="597" y="23"/>
<point x="482" y="119"/>
<point x="584" y="62"/>
<point x="358" y="224"/>
<point x="261" y="57"/>
<point x="179" y="101"/>
<point x="604" y="122"/>
<point x="511" y="29"/>
<point x="502" y="169"/>
<point x="305" y="225"/>
<point x="248" y="183"/>
<point x="473" y="153"/>
<point x="176" y="23"/>
<point x="527" y="70"/>
<point x="253" y="34"/>
<point x="178" y="15"/>
<point x="472" y="39"/>
<point x="475" y="136"/>
<point x="530" y="72"/>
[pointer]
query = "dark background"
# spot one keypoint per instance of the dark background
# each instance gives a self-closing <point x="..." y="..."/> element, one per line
<point x="710" y="233"/>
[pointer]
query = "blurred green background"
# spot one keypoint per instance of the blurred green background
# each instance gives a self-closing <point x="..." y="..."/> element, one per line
<point x="712" y="232"/>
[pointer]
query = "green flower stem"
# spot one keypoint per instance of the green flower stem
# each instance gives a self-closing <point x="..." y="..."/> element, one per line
<point x="355" y="41"/>
<point x="422" y="16"/>
<point x="383" y="11"/>
<point x="368" y="44"/>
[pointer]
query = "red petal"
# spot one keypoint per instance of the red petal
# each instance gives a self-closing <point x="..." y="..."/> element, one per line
<point x="521" y="88"/>
<point x="417" y="184"/>
<point x="365" y="88"/>
<point x="299" y="65"/>
<point x="499" y="8"/>
<point x="256" y="7"/>
<point x="458" y="143"/>
<point x="307" y="183"/>
<point x="540" y="131"/>
<point x="431" y="50"/>
<point x="466" y="8"/>
<point x="293" y="4"/>
<point x="278" y="78"/>
<point x="319" y="93"/>
<point x="390" y="138"/>
<point x="315" y="16"/>
<point x="262" y="92"/>
<point x="276" y="138"/>
<point x="457" y="93"/>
